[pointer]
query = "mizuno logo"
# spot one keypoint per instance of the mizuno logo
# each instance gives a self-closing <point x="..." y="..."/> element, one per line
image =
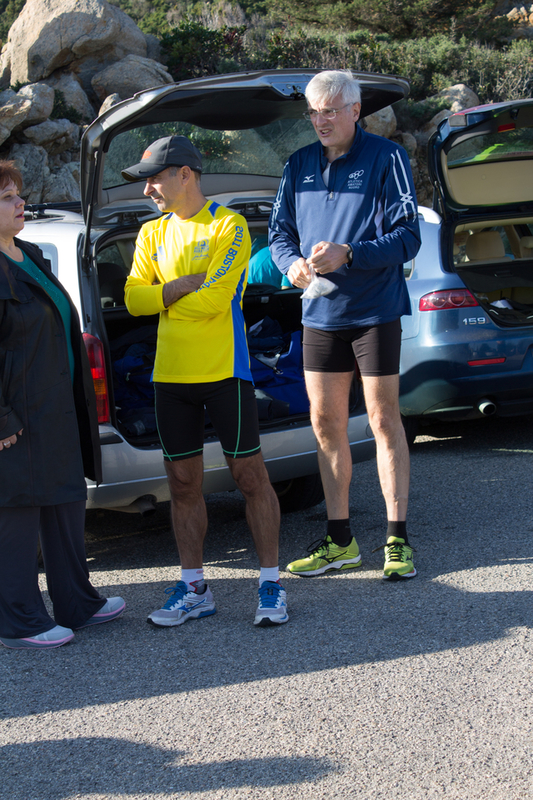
<point x="333" y="558"/>
<point x="192" y="607"/>
<point x="309" y="179"/>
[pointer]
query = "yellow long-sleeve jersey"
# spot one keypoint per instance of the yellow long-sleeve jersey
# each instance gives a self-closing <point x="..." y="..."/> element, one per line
<point x="202" y="336"/>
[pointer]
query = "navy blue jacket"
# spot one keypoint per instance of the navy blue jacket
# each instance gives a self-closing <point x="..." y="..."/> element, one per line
<point x="369" y="203"/>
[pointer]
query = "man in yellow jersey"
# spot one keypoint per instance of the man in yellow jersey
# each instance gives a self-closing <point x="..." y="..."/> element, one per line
<point x="190" y="266"/>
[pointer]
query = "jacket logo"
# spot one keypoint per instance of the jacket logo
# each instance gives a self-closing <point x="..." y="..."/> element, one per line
<point x="160" y="252"/>
<point x="201" y="250"/>
<point x="355" y="179"/>
<point x="309" y="179"/>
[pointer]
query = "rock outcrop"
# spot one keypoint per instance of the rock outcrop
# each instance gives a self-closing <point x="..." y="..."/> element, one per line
<point x="132" y="74"/>
<point x="85" y="35"/>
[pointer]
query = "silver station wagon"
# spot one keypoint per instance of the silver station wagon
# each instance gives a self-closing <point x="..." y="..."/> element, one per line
<point x="246" y="125"/>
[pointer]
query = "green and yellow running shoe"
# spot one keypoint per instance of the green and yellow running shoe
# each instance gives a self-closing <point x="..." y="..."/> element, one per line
<point x="325" y="556"/>
<point x="398" y="560"/>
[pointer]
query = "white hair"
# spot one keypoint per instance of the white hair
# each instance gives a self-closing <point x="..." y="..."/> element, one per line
<point x="327" y="85"/>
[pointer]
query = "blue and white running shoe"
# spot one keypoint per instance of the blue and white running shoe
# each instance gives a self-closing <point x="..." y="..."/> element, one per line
<point x="182" y="605"/>
<point x="272" y="608"/>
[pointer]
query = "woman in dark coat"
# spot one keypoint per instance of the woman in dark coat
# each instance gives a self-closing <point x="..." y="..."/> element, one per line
<point x="48" y="443"/>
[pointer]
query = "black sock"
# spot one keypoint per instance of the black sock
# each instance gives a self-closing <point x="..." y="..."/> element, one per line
<point x="397" y="529"/>
<point x="339" y="532"/>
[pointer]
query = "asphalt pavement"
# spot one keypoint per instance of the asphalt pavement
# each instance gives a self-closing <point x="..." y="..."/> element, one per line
<point x="372" y="690"/>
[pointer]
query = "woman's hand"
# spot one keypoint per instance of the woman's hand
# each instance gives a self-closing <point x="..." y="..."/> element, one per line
<point x="10" y="440"/>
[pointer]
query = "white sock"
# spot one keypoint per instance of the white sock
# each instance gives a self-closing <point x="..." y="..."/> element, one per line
<point x="268" y="574"/>
<point x="191" y="577"/>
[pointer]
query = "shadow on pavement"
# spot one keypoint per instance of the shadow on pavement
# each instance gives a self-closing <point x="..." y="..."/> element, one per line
<point x="472" y="530"/>
<point x="116" y="767"/>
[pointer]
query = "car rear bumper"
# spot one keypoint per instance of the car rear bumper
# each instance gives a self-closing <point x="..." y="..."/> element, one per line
<point x="441" y="384"/>
<point x="131" y="472"/>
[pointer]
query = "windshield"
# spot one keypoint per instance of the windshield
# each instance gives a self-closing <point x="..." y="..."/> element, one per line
<point x="255" y="151"/>
<point x="508" y="143"/>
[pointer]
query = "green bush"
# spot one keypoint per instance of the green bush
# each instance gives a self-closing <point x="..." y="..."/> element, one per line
<point x="62" y="110"/>
<point x="192" y="50"/>
<point x="9" y="11"/>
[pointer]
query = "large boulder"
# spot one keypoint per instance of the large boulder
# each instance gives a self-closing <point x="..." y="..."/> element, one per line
<point x="14" y="109"/>
<point x="33" y="164"/>
<point x="408" y="141"/>
<point x="63" y="185"/>
<point x="55" y="135"/>
<point x="50" y="34"/>
<point x="111" y="100"/>
<point x="382" y="123"/>
<point x="131" y="75"/>
<point x="459" y="97"/>
<point x="41" y="98"/>
<point x="422" y="136"/>
<point x="73" y="93"/>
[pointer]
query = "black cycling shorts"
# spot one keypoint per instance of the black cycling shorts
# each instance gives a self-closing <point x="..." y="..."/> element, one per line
<point x="180" y="414"/>
<point x="375" y="349"/>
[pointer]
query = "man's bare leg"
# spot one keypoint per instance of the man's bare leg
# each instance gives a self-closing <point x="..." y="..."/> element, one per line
<point x="392" y="452"/>
<point x="263" y="517"/>
<point x="189" y="514"/>
<point x="329" y="394"/>
<point x="189" y="522"/>
<point x="381" y="395"/>
<point x="262" y="506"/>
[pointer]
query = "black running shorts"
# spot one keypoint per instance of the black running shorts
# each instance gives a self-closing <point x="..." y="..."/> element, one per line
<point x="180" y="413"/>
<point x="376" y="349"/>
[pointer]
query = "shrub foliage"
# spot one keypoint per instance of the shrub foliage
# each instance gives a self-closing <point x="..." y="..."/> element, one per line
<point x="433" y="43"/>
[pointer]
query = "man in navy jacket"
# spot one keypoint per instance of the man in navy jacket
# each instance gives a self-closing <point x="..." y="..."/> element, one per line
<point x="346" y="209"/>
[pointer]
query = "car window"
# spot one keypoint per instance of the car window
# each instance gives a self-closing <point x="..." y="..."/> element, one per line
<point x="254" y="151"/>
<point x="505" y="144"/>
<point x="408" y="268"/>
<point x="114" y="265"/>
<point x="50" y="253"/>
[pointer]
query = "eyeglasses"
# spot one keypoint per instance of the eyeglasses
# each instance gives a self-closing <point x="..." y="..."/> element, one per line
<point x="326" y="113"/>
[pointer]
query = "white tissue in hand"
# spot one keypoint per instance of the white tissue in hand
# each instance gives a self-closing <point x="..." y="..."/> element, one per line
<point x="318" y="287"/>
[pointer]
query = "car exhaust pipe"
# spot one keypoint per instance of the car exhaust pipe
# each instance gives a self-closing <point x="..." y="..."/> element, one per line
<point x="144" y="506"/>
<point x="486" y="407"/>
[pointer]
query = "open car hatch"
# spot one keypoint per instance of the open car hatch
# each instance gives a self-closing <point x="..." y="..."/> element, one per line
<point x="245" y="124"/>
<point x="483" y="157"/>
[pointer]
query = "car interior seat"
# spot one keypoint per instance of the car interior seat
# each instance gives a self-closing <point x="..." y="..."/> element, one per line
<point x="112" y="280"/>
<point x="526" y="247"/>
<point x="485" y="246"/>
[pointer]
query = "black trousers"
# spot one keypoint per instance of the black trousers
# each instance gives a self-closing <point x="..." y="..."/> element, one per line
<point x="74" y="598"/>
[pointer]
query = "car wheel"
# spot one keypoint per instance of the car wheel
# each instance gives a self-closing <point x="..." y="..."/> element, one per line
<point x="410" y="426"/>
<point x="297" y="494"/>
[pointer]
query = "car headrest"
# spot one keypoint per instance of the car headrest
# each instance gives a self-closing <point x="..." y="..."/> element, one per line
<point x="485" y="246"/>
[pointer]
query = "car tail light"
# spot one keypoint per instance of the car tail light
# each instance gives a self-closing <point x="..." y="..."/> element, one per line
<point x="483" y="362"/>
<point x="95" y="351"/>
<point x="450" y="298"/>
